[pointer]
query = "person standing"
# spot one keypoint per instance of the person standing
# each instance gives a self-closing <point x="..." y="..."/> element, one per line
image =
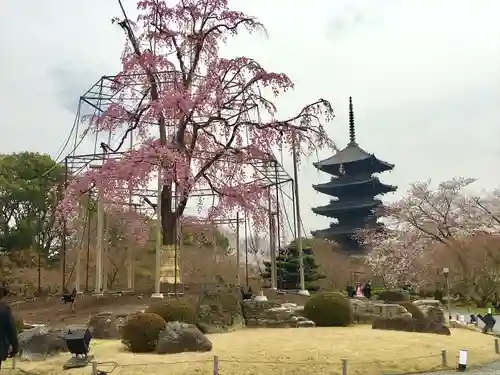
<point x="367" y="290"/>
<point x="9" y="344"/>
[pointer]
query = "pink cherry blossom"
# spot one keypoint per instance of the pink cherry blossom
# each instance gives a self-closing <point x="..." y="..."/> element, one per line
<point x="199" y="117"/>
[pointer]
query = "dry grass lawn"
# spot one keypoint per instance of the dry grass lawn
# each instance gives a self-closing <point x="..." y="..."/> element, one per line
<point x="304" y="351"/>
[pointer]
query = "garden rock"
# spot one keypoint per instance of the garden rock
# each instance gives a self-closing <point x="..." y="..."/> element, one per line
<point x="410" y="325"/>
<point x="363" y="310"/>
<point x="180" y="337"/>
<point x="271" y="314"/>
<point x="106" y="325"/>
<point x="432" y="309"/>
<point x="366" y="311"/>
<point x="219" y="308"/>
<point x="40" y="342"/>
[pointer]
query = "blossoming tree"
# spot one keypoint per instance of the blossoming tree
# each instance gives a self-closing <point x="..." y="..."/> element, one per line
<point x="398" y="256"/>
<point x="423" y="219"/>
<point x="200" y="118"/>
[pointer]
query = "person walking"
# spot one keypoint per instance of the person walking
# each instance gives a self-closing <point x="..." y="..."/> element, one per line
<point x="9" y="344"/>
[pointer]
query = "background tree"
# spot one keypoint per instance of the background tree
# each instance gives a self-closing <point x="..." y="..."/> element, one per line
<point x="287" y="264"/>
<point x="398" y="257"/>
<point x="445" y="218"/>
<point x="28" y="198"/>
<point x="474" y="263"/>
<point x="213" y="114"/>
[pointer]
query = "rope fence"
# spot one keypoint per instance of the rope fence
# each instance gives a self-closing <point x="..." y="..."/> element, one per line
<point x="219" y="366"/>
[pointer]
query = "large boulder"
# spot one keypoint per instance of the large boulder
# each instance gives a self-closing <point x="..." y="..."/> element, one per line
<point x="219" y="308"/>
<point x="41" y="342"/>
<point x="410" y="325"/>
<point x="432" y="309"/>
<point x="271" y="314"/>
<point x="365" y="311"/>
<point x="180" y="337"/>
<point x="106" y="325"/>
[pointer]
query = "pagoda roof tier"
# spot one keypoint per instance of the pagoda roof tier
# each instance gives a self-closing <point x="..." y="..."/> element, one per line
<point x="336" y="229"/>
<point x="350" y="155"/>
<point x="343" y="182"/>
<point x="343" y="205"/>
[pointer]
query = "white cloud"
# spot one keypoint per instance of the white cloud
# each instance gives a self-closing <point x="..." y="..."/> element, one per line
<point x="425" y="76"/>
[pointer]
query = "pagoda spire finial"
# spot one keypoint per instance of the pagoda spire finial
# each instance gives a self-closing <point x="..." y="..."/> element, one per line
<point x="352" y="134"/>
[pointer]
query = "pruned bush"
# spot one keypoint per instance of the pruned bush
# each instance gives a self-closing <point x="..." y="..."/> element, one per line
<point x="329" y="309"/>
<point x="394" y="295"/>
<point x="140" y="332"/>
<point x="415" y="312"/>
<point x="174" y="309"/>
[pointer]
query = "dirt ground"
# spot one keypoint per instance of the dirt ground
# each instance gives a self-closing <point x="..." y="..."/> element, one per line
<point x="53" y="311"/>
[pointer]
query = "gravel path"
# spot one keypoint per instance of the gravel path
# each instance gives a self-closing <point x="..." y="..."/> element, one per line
<point x="492" y="369"/>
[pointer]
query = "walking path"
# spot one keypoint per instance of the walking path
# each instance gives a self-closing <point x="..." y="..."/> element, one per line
<point x="492" y="369"/>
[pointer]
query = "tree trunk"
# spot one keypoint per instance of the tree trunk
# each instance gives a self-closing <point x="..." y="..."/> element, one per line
<point x="168" y="216"/>
<point x="169" y="228"/>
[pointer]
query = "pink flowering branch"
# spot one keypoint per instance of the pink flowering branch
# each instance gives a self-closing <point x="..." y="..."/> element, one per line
<point x="200" y="118"/>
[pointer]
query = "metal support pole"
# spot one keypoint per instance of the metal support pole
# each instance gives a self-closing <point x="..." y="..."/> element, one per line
<point x="130" y="249"/>
<point x="447" y="283"/>
<point x="246" y="250"/>
<point x="79" y="244"/>
<point x="87" y="265"/>
<point x="157" y="293"/>
<point x="298" y="239"/>
<point x="238" y="281"/>
<point x="39" y="247"/>
<point x="279" y="271"/>
<point x="274" y="272"/>
<point x="177" y="223"/>
<point x="272" y="242"/>
<point x="105" y="255"/>
<point x="99" y="243"/>
<point x="64" y="232"/>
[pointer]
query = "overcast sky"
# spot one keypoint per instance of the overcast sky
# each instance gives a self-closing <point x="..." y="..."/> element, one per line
<point x="424" y="76"/>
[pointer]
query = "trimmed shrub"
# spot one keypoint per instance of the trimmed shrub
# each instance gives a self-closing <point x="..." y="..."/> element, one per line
<point x="329" y="309"/>
<point x="393" y="295"/>
<point x="415" y="312"/>
<point x="174" y="309"/>
<point x="140" y="332"/>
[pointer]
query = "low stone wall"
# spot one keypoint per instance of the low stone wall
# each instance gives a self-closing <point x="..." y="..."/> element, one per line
<point x="365" y="311"/>
<point x="271" y="314"/>
<point x="432" y="309"/>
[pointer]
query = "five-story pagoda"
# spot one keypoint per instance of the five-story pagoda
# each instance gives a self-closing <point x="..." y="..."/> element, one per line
<point x="355" y="187"/>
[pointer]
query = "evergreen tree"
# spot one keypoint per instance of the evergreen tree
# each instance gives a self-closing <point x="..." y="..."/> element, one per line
<point x="287" y="265"/>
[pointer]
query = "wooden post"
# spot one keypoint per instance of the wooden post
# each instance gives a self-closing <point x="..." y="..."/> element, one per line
<point x="444" y="358"/>
<point x="497" y="347"/>
<point x="94" y="368"/>
<point x="344" y="366"/>
<point x="216" y="365"/>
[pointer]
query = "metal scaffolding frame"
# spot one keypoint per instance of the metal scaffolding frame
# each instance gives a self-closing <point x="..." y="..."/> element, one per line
<point x="106" y="92"/>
